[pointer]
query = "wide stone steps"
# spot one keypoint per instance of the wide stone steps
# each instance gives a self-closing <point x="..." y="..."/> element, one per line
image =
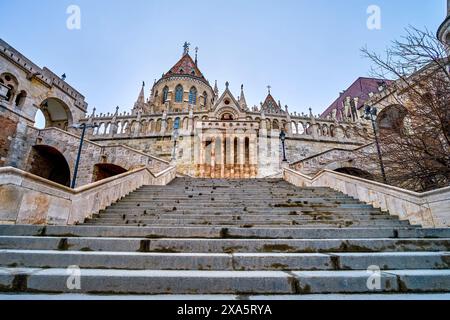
<point x="229" y="237"/>
<point x="210" y="245"/>
<point x="101" y="281"/>
<point x="211" y="232"/>
<point x="223" y="261"/>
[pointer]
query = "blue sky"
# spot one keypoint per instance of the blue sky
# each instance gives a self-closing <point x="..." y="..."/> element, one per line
<point x="307" y="50"/>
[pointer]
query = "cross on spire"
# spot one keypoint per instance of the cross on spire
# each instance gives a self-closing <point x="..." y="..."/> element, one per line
<point x="269" y="87"/>
<point x="186" y="48"/>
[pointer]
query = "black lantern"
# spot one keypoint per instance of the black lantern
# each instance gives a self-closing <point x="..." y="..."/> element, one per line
<point x="4" y="91"/>
<point x="283" y="139"/>
<point x="83" y="127"/>
<point x="370" y="113"/>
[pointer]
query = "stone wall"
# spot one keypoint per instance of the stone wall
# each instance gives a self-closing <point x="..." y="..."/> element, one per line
<point x="92" y="153"/>
<point x="29" y="199"/>
<point x="7" y="131"/>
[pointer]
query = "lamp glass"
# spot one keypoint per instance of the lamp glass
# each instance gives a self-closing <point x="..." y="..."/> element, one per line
<point x="3" y="91"/>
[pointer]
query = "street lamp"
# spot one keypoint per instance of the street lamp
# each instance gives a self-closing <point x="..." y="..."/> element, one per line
<point x="283" y="139"/>
<point x="370" y="114"/>
<point x="4" y="91"/>
<point x="82" y="126"/>
<point x="176" y="134"/>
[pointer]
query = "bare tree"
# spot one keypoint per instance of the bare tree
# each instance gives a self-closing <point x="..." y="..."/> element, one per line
<point x="415" y="133"/>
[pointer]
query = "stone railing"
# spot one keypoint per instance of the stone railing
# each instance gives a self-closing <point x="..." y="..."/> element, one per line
<point x="28" y="199"/>
<point x="429" y="209"/>
<point x="319" y="161"/>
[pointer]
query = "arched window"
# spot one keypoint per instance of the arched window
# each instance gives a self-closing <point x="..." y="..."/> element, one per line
<point x="101" y="130"/>
<point x="176" y="124"/>
<point x="247" y="150"/>
<point x="179" y="93"/>
<point x="193" y="96"/>
<point x="20" y="99"/>
<point x="165" y="94"/>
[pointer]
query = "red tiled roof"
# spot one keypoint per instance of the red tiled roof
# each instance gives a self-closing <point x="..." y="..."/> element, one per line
<point x="185" y="66"/>
<point x="361" y="89"/>
<point x="269" y="99"/>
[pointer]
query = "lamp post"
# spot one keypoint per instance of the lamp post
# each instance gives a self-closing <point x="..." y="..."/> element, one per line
<point x="370" y="114"/>
<point x="176" y="126"/>
<point x="283" y="139"/>
<point x="82" y="126"/>
<point x="4" y="91"/>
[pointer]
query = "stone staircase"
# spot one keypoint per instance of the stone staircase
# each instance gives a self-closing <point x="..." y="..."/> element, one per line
<point x="237" y="237"/>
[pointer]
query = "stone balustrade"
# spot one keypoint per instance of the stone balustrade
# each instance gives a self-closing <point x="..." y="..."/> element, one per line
<point x="429" y="209"/>
<point x="28" y="199"/>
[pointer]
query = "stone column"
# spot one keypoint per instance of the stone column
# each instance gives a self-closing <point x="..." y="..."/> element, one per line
<point x="241" y="142"/>
<point x="201" y="160"/>
<point x="222" y="155"/>
<point x="213" y="157"/>
<point x="231" y="157"/>
<point x="252" y="155"/>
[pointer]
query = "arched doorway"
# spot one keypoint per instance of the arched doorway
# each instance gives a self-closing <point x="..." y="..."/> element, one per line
<point x="355" y="172"/>
<point x="57" y="114"/>
<point x="106" y="170"/>
<point x="48" y="163"/>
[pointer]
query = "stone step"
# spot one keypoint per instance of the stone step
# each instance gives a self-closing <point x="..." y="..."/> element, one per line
<point x="97" y="281"/>
<point x="218" y="232"/>
<point x="224" y="209"/>
<point x="223" y="261"/>
<point x="243" y="210"/>
<point x="250" y="216"/>
<point x="247" y="223"/>
<point x="191" y="245"/>
<point x="237" y="202"/>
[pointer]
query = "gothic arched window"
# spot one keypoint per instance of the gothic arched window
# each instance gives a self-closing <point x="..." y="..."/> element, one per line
<point x="165" y="94"/>
<point x="179" y="93"/>
<point x="193" y="96"/>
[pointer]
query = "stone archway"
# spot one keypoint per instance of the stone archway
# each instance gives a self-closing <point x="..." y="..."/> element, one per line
<point x="57" y="114"/>
<point x="48" y="163"/>
<point x="106" y="170"/>
<point x="391" y="118"/>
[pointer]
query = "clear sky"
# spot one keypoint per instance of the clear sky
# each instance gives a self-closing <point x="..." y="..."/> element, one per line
<point x="307" y="50"/>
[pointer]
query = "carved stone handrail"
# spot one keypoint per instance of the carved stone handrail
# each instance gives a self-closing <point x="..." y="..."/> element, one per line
<point x="29" y="199"/>
<point x="429" y="209"/>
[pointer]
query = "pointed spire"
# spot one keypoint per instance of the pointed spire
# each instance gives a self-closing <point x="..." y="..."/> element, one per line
<point x="141" y="97"/>
<point x="242" y="101"/>
<point x="196" y="55"/>
<point x="216" y="89"/>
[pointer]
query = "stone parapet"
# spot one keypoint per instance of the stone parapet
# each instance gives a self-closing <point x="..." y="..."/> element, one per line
<point x="28" y="199"/>
<point x="429" y="209"/>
